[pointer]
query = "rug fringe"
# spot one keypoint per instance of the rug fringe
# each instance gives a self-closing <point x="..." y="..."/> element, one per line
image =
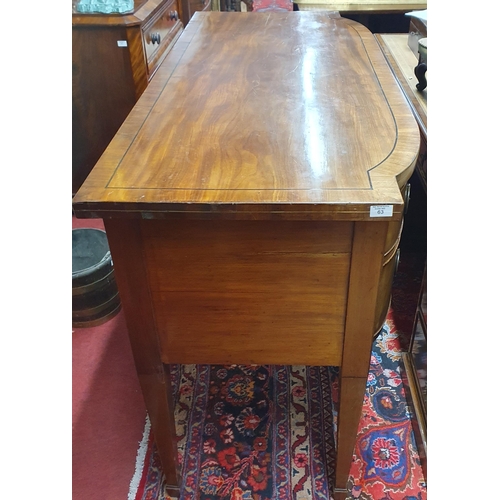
<point x="139" y="461"/>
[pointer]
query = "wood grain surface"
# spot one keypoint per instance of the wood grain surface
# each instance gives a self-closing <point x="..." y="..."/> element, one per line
<point x="260" y="291"/>
<point x="294" y="114"/>
<point x="363" y="6"/>
<point x="403" y="62"/>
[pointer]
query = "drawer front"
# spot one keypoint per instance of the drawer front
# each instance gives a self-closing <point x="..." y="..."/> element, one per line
<point x="158" y="35"/>
<point x="385" y="286"/>
<point x="390" y="265"/>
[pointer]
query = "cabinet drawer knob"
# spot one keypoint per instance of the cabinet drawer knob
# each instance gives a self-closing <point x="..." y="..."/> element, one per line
<point x="174" y="16"/>
<point x="155" y="38"/>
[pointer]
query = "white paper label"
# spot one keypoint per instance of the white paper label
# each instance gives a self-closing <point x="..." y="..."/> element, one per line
<point x="122" y="43"/>
<point x="381" y="211"/>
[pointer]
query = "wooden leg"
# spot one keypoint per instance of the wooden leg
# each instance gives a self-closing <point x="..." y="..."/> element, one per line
<point x="125" y="242"/>
<point x="352" y="391"/>
<point x="366" y="266"/>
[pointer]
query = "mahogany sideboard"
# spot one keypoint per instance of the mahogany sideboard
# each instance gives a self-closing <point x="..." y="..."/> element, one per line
<point x="114" y="56"/>
<point x="253" y="206"/>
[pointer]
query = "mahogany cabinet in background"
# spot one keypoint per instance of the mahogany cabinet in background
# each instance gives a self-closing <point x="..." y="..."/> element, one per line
<point x="415" y="376"/>
<point x="189" y="7"/>
<point x="114" y="58"/>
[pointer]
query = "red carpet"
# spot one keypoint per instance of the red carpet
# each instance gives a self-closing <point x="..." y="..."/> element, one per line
<point x="108" y="409"/>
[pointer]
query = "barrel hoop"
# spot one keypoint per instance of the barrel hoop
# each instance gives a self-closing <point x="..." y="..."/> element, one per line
<point x="92" y="311"/>
<point x="79" y="290"/>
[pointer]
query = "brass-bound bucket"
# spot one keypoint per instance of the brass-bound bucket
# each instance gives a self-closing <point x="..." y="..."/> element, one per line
<point x="95" y="294"/>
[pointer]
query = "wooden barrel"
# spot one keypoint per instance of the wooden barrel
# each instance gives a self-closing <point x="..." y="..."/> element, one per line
<point x="95" y="294"/>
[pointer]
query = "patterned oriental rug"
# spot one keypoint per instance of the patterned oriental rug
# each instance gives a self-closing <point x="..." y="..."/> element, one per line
<point x="256" y="433"/>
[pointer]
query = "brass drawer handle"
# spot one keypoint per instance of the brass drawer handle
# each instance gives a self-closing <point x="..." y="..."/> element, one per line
<point x="155" y="38"/>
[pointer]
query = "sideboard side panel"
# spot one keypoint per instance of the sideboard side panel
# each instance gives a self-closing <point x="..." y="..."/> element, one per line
<point x="249" y="291"/>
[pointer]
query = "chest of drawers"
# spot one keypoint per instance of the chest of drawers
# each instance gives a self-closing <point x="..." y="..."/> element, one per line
<point x="114" y="57"/>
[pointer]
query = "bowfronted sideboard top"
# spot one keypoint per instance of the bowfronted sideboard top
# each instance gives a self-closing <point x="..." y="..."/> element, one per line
<point x="297" y="117"/>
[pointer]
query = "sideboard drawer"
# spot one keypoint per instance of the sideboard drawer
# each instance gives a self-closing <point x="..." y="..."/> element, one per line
<point x="390" y="265"/>
<point x="158" y="35"/>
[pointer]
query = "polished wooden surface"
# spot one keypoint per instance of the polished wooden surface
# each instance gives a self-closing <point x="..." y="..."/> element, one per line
<point x="403" y="61"/>
<point x="241" y="190"/>
<point x="363" y="6"/>
<point x="228" y="135"/>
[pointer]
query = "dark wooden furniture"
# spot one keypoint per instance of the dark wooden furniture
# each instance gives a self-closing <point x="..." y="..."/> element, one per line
<point x="415" y="376"/>
<point x="114" y="58"/>
<point x="402" y="59"/>
<point x="252" y="203"/>
<point x="189" y="7"/>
